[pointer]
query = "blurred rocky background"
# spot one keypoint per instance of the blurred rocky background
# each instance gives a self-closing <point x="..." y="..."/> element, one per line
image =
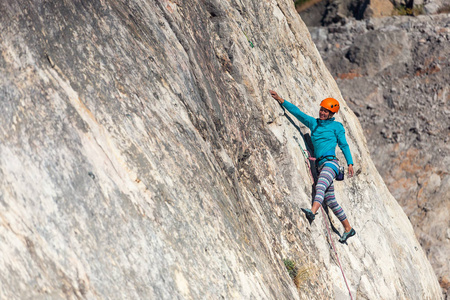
<point x="394" y="73"/>
<point x="326" y="12"/>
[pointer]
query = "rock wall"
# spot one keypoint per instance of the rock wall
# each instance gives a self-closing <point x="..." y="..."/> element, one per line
<point x="394" y="73"/>
<point x="142" y="157"/>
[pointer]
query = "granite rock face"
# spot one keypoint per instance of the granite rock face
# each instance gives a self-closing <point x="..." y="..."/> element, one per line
<point x="141" y="156"/>
<point x="394" y="73"/>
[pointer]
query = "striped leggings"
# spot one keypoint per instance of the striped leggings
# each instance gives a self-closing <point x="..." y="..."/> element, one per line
<point x="325" y="190"/>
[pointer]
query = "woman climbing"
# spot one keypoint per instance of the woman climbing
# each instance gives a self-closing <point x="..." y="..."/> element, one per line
<point x="326" y="133"/>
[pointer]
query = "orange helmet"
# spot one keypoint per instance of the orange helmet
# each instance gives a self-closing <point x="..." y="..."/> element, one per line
<point x="331" y="104"/>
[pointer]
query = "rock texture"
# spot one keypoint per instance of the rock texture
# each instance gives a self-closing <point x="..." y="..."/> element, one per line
<point x="394" y="73"/>
<point x="435" y="6"/>
<point x="327" y="12"/>
<point x="142" y="157"/>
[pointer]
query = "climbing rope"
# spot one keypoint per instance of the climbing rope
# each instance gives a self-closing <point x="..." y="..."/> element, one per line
<point x="309" y="157"/>
<point x="335" y="252"/>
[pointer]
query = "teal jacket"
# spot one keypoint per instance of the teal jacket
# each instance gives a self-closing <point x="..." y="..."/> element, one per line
<point x="325" y="134"/>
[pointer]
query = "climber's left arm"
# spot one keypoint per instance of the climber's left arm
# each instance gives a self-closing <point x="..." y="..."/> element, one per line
<point x="342" y="142"/>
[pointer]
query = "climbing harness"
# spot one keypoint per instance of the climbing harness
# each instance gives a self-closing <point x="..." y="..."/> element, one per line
<point x="327" y="157"/>
<point x="309" y="157"/>
<point x="340" y="176"/>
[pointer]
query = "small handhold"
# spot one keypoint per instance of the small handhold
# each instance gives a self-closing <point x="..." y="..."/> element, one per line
<point x="50" y="60"/>
<point x="91" y="175"/>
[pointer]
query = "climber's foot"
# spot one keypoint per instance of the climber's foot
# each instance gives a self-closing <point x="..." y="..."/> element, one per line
<point x="346" y="235"/>
<point x="309" y="215"/>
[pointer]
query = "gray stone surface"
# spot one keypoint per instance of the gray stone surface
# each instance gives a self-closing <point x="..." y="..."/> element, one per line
<point x="394" y="73"/>
<point x="327" y="12"/>
<point x="142" y="157"/>
<point x="434" y="6"/>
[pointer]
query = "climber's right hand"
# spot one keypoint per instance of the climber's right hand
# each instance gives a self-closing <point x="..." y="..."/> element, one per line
<point x="276" y="97"/>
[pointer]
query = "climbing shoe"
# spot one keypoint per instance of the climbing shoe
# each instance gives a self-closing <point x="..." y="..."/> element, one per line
<point x="309" y="215"/>
<point x="346" y="235"/>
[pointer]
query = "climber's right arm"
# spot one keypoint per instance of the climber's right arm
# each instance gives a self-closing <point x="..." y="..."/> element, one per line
<point x="294" y="110"/>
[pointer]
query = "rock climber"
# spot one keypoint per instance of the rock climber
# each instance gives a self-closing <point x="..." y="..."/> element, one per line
<point x="326" y="134"/>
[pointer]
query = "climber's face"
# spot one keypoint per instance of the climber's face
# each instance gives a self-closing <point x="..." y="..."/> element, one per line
<point x="325" y="114"/>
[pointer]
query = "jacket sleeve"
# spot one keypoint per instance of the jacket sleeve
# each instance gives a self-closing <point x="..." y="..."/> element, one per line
<point x="342" y="142"/>
<point x="301" y="116"/>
